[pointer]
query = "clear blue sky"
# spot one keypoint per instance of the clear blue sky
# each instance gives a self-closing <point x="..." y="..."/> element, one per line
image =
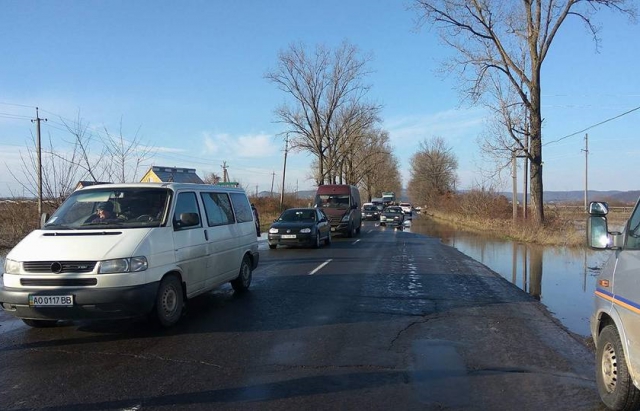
<point x="189" y="76"/>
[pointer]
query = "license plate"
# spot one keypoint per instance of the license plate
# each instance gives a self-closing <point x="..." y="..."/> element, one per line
<point x="288" y="236"/>
<point x="51" y="301"/>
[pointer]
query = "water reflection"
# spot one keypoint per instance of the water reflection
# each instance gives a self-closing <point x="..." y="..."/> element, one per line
<point x="563" y="279"/>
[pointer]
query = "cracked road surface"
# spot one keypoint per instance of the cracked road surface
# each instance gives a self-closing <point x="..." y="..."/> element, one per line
<point x="389" y="320"/>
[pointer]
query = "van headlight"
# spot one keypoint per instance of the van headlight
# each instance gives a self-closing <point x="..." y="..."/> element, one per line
<point x="123" y="265"/>
<point x="11" y="266"/>
<point x="345" y="218"/>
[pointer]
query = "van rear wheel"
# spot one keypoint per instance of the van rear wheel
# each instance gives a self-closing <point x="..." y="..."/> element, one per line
<point x="243" y="281"/>
<point x="169" y="301"/>
<point x="614" y="383"/>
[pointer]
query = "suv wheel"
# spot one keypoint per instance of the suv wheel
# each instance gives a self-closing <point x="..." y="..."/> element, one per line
<point x="612" y="375"/>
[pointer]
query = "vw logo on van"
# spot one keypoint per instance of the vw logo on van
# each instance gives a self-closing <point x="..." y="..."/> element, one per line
<point x="56" y="267"/>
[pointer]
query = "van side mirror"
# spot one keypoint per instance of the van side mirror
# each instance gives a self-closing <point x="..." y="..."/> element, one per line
<point x="43" y="219"/>
<point x="597" y="208"/>
<point x="598" y="232"/>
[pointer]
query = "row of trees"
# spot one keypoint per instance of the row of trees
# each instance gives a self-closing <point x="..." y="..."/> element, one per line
<point x="499" y="46"/>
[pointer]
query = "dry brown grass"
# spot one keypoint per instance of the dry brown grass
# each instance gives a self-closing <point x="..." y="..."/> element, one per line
<point x="19" y="218"/>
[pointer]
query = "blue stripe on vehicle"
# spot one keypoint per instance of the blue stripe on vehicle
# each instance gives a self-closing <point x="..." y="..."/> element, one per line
<point x="618" y="300"/>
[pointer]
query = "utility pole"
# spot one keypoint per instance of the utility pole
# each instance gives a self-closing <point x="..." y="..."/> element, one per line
<point x="37" y="120"/>
<point x="586" y="170"/>
<point x="225" y="174"/>
<point x="525" y="185"/>
<point x="284" y="169"/>
<point x="514" y="176"/>
<point x="273" y="176"/>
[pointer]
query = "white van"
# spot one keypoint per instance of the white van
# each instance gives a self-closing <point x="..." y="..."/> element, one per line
<point x="615" y="321"/>
<point x="155" y="246"/>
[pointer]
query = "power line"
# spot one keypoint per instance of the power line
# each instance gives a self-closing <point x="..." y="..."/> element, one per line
<point x="593" y="126"/>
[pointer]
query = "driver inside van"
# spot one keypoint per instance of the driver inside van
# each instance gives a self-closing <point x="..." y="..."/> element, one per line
<point x="104" y="213"/>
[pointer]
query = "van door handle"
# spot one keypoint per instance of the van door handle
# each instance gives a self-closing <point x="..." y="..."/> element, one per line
<point x="206" y="235"/>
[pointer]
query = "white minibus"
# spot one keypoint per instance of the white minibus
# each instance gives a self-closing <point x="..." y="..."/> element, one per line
<point x="129" y="250"/>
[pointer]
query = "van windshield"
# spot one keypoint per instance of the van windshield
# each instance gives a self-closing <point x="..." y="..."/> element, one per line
<point x="134" y="207"/>
<point x="332" y="200"/>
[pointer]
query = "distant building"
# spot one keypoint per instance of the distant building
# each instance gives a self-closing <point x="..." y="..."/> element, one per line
<point x="160" y="174"/>
<point x="82" y="184"/>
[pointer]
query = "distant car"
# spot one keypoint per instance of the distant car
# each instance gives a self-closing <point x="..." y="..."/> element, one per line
<point x="300" y="227"/>
<point x="392" y="216"/>
<point x="406" y="207"/>
<point x="370" y="212"/>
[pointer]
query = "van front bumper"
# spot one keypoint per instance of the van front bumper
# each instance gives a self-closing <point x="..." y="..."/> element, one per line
<point x="88" y="303"/>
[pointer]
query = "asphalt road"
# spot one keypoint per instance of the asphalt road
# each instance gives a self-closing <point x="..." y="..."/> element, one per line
<point x="389" y="320"/>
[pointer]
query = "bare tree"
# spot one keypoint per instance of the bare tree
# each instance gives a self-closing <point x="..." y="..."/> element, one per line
<point x="93" y="166"/>
<point x="60" y="174"/>
<point x="510" y="40"/>
<point x="123" y="152"/>
<point x="433" y="171"/>
<point x="324" y="85"/>
<point x="212" y="178"/>
<point x="64" y="165"/>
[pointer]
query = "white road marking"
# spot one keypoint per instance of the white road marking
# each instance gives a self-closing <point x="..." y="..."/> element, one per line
<point x="355" y="242"/>
<point x="320" y="267"/>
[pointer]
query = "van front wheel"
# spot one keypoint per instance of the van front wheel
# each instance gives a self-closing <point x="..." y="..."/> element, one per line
<point x="612" y="375"/>
<point x="243" y="281"/>
<point x="169" y="301"/>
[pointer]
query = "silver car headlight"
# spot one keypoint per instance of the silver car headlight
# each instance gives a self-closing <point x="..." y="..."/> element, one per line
<point x="123" y="265"/>
<point x="11" y="266"/>
<point x="305" y="230"/>
<point x="273" y="231"/>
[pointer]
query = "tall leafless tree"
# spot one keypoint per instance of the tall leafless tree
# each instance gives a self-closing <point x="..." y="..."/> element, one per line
<point x="510" y="39"/>
<point x="325" y="85"/>
<point x="126" y="154"/>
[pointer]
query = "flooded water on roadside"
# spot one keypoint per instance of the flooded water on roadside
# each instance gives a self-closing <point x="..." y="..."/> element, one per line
<point x="562" y="278"/>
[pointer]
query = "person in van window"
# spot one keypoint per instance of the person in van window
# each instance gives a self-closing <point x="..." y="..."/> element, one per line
<point x="256" y="217"/>
<point x="104" y="213"/>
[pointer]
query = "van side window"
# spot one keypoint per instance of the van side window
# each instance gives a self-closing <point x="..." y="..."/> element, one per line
<point x="217" y="206"/>
<point x="633" y="234"/>
<point x="242" y="207"/>
<point x="186" y="203"/>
